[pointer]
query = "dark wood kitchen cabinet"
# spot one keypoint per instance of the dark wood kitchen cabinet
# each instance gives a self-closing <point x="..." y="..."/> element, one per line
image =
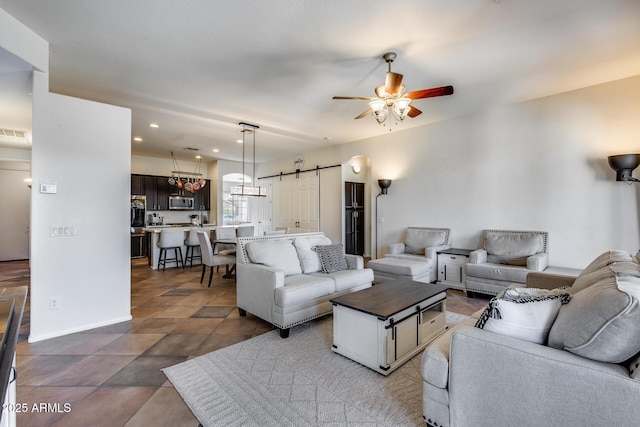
<point x="201" y="198"/>
<point x="157" y="192"/>
<point x="137" y="184"/>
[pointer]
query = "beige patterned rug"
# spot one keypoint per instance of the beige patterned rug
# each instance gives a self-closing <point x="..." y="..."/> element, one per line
<point x="270" y="381"/>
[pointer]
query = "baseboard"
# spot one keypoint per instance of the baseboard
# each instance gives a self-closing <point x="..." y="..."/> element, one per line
<point x="35" y="338"/>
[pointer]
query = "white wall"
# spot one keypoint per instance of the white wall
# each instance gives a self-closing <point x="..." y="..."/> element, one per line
<point x="537" y="165"/>
<point x="84" y="148"/>
<point x="145" y="165"/>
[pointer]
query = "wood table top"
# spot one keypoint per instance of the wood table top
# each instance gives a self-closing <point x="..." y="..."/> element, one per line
<point x="389" y="298"/>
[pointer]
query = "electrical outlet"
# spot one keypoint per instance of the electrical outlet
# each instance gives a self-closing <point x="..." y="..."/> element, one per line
<point x="54" y="304"/>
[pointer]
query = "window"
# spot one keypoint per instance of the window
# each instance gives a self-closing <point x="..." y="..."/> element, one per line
<point x="235" y="209"/>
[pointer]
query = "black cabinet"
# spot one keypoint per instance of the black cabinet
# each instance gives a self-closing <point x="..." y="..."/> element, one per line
<point x="137" y="184"/>
<point x="157" y="191"/>
<point x="354" y="218"/>
<point x="163" y="189"/>
<point x="151" y="191"/>
<point x="201" y="198"/>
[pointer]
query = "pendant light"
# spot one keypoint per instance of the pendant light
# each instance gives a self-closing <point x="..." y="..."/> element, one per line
<point x="248" y="190"/>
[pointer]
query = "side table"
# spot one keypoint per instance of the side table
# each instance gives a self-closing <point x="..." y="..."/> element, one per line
<point x="452" y="266"/>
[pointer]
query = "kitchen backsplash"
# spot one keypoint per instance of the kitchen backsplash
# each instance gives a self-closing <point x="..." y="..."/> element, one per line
<point x="178" y="217"/>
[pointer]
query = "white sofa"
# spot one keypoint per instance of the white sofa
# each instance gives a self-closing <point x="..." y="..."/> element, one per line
<point x="585" y="374"/>
<point x="280" y="279"/>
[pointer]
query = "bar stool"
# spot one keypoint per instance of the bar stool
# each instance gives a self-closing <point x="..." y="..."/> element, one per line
<point x="192" y="242"/>
<point x="170" y="239"/>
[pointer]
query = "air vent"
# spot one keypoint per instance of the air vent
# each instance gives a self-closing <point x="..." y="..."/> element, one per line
<point x="12" y="135"/>
<point x="191" y="149"/>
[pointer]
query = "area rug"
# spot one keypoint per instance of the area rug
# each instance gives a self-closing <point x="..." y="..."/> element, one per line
<point x="270" y="381"/>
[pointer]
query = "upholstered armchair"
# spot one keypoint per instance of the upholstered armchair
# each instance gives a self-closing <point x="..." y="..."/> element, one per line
<point x="421" y="244"/>
<point x="505" y="257"/>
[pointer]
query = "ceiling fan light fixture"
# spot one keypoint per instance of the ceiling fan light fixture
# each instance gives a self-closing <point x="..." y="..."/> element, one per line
<point x="401" y="108"/>
<point x="379" y="108"/>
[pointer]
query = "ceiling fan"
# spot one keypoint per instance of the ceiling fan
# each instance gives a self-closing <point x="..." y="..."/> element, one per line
<point x="391" y="94"/>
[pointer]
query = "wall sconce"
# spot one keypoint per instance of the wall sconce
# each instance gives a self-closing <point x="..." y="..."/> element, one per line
<point x="384" y="185"/>
<point x="624" y="164"/>
<point x="356" y="169"/>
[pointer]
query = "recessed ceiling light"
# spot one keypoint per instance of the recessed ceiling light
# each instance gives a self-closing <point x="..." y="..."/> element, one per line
<point x="239" y="141"/>
<point x="138" y="139"/>
<point x="215" y="150"/>
<point x="328" y="138"/>
<point x="198" y="157"/>
<point x="153" y="125"/>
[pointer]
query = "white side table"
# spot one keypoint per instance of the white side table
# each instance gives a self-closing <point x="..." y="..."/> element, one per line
<point x="452" y="267"/>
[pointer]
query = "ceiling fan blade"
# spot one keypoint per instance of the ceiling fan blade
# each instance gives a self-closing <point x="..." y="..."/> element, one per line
<point x="354" y="97"/>
<point x="392" y="83"/>
<point x="365" y="114"/>
<point x="430" y="93"/>
<point x="413" y="112"/>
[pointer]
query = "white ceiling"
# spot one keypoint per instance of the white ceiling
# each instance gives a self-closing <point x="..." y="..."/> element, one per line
<point x="198" y="67"/>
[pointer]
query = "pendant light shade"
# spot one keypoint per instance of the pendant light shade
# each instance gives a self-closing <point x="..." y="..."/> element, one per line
<point x="242" y="189"/>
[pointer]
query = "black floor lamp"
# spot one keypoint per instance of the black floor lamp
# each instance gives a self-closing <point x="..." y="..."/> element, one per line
<point x="384" y="186"/>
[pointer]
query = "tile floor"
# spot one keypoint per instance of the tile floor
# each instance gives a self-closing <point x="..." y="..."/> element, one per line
<point x="111" y="376"/>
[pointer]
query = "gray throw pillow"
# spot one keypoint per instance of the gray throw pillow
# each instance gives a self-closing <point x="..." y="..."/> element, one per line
<point x="602" y="321"/>
<point x="332" y="258"/>
<point x="512" y="248"/>
<point x="606" y="258"/>
<point x="634" y="367"/>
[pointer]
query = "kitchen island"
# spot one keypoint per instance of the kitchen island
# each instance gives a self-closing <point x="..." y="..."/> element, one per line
<point x="153" y="235"/>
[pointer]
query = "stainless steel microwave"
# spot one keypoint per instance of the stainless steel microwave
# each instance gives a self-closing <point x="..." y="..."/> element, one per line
<point x="180" y="203"/>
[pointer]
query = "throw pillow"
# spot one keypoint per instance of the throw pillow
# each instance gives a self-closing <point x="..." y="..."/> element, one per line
<point x="332" y="258"/>
<point x="524" y="313"/>
<point x="278" y="254"/>
<point x="309" y="258"/>
<point x="512" y="248"/>
<point x="416" y="240"/>
<point x="602" y="322"/>
<point x="634" y="367"/>
<point x="583" y="281"/>
<point x="608" y="257"/>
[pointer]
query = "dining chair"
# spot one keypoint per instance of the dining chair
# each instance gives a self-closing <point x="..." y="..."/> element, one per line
<point x="245" y="231"/>
<point x="211" y="260"/>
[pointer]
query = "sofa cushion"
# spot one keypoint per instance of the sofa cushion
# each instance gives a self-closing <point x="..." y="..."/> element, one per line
<point x="524" y="313"/>
<point x="397" y="265"/>
<point x="503" y="273"/>
<point x="606" y="258"/>
<point x="602" y="321"/>
<point x="435" y="359"/>
<point x="332" y="258"/>
<point x="302" y="288"/>
<point x="278" y="254"/>
<point x="512" y="248"/>
<point x="348" y="279"/>
<point x="309" y="259"/>
<point x="416" y="240"/>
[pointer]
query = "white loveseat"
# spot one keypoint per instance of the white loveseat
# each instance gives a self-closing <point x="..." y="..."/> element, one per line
<point x="280" y="278"/>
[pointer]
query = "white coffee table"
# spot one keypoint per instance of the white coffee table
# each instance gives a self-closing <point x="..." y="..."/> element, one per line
<point x="384" y="326"/>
